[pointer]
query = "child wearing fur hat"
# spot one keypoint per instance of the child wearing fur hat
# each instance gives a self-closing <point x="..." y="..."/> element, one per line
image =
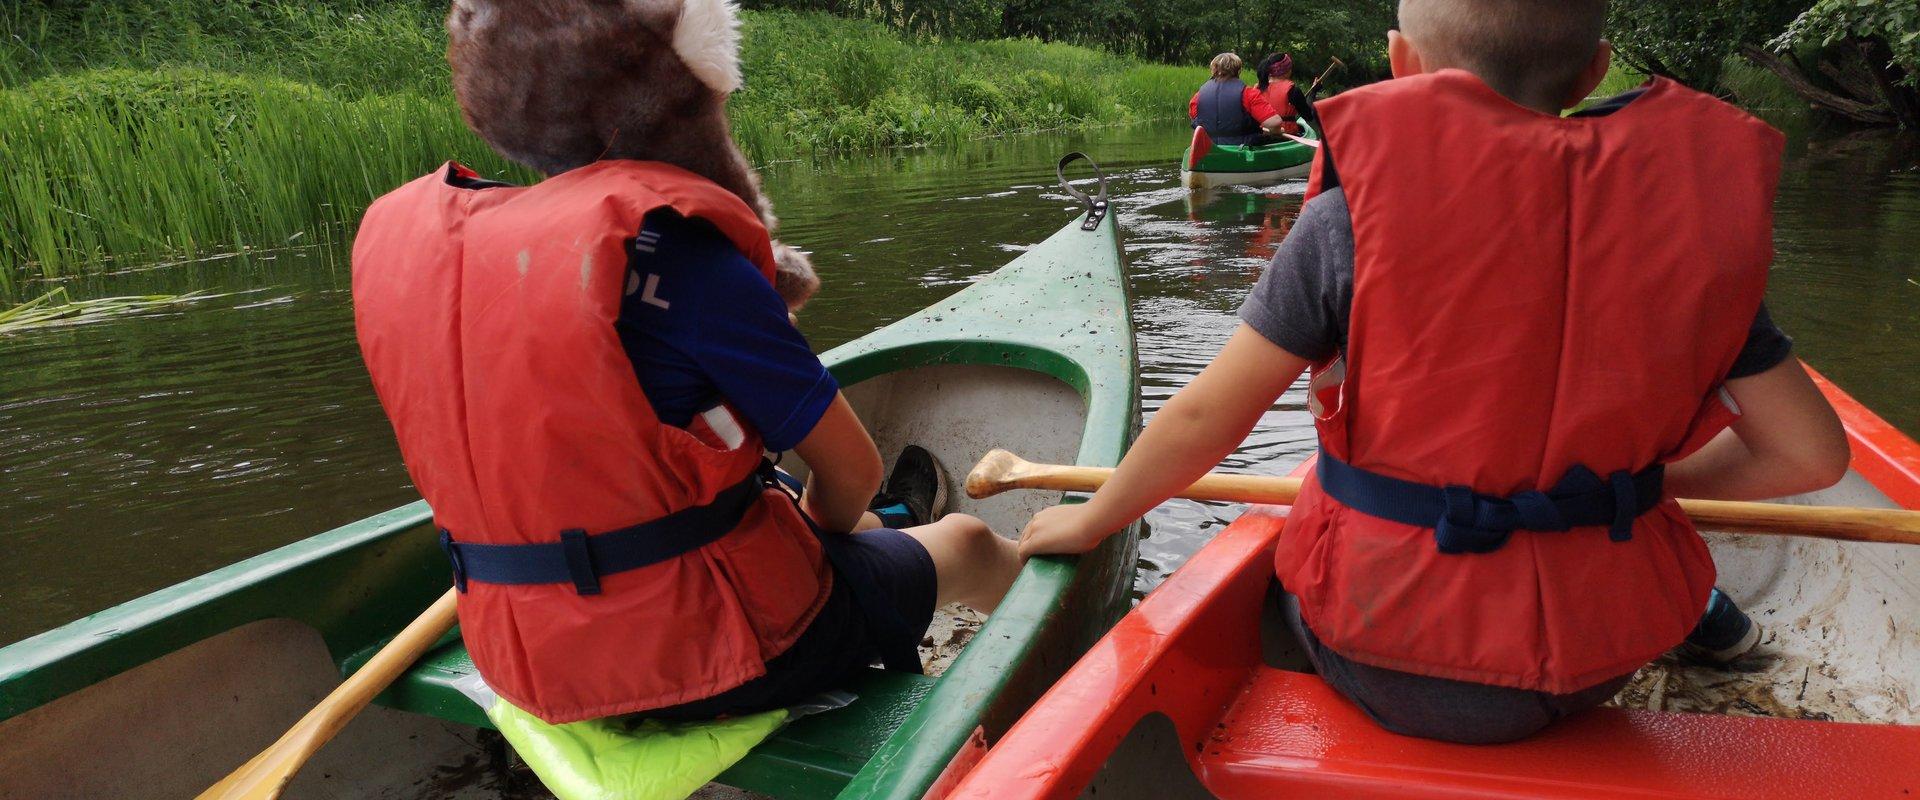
<point x="584" y="375"/>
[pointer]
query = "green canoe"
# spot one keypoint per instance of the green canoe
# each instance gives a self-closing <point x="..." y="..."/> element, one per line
<point x="163" y="695"/>
<point x="1207" y="165"/>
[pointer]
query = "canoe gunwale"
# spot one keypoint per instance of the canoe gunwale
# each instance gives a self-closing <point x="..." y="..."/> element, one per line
<point x="1058" y="606"/>
<point x="274" y="584"/>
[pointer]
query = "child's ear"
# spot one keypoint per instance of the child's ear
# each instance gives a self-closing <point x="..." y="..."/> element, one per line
<point x="1403" y="55"/>
<point x="1591" y="75"/>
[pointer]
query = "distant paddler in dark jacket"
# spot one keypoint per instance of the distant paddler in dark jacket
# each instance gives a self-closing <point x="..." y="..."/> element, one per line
<point x="1231" y="111"/>
<point x="1282" y="95"/>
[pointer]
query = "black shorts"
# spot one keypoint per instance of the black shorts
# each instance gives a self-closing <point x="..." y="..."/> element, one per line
<point x="843" y="639"/>
<point x="1440" y="708"/>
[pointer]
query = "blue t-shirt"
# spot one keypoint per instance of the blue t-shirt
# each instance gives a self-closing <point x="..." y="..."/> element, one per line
<point x="701" y="325"/>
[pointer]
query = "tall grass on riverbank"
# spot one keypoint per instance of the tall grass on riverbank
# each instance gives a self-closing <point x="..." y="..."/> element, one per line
<point x="209" y="164"/>
<point x="230" y="125"/>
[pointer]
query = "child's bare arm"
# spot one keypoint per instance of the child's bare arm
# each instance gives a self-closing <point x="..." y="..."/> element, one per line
<point x="1195" y="429"/>
<point x="845" y="468"/>
<point x="1787" y="441"/>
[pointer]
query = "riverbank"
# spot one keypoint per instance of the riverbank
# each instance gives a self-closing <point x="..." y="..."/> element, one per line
<point x="175" y="129"/>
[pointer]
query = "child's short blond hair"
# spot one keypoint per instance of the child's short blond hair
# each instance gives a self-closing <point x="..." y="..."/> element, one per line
<point x="1227" y="65"/>
<point x="1522" y="48"/>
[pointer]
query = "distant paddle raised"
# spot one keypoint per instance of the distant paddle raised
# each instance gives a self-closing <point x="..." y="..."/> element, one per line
<point x="1001" y="471"/>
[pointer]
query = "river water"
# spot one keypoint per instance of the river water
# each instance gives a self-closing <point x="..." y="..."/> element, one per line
<point x="143" y="451"/>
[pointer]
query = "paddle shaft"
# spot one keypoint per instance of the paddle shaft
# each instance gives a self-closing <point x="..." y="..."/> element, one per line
<point x="268" y="773"/>
<point x="1323" y="76"/>
<point x="997" y="474"/>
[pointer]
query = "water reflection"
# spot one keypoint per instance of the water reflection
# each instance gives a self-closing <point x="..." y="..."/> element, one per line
<point x="137" y="453"/>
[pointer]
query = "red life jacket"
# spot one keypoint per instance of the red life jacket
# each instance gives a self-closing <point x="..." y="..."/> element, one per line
<point x="1531" y="293"/>
<point x="1276" y="95"/>
<point x="486" y="317"/>
<point x="1277" y="90"/>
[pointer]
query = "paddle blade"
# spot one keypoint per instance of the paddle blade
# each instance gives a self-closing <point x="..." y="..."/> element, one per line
<point x="266" y="776"/>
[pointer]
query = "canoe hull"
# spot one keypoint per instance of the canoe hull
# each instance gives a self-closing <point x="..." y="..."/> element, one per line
<point x="179" y="687"/>
<point x="1206" y="165"/>
<point x="1182" y="700"/>
<point x="1215" y="180"/>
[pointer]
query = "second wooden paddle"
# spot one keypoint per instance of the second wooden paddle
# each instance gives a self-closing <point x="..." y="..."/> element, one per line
<point x="1002" y="471"/>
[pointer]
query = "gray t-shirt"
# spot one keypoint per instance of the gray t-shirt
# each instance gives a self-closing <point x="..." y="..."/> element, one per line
<point x="1302" y="301"/>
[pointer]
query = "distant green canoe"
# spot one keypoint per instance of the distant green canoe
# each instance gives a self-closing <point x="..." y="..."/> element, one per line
<point x="1207" y="165"/>
<point x="163" y="695"/>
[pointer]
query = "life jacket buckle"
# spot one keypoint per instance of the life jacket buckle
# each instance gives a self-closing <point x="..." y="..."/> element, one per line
<point x="573" y="544"/>
<point x="1626" y="503"/>
<point x="1470" y="525"/>
<point x="453" y="557"/>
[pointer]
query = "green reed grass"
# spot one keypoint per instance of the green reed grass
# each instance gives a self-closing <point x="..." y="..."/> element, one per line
<point x="212" y="171"/>
<point x="56" y="308"/>
<point x="165" y="129"/>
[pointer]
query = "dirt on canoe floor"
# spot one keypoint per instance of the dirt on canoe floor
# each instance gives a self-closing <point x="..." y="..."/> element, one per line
<point x="1775" y="680"/>
<point x="1744" y="688"/>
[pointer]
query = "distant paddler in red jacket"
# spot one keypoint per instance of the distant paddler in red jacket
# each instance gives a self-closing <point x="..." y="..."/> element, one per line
<point x="1231" y="111"/>
<point x="1282" y="95"/>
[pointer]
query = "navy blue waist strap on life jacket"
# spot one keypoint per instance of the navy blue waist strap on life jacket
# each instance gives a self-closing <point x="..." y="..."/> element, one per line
<point x="1464" y="521"/>
<point x="581" y="558"/>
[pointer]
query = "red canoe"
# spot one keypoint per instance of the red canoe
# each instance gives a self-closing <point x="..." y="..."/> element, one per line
<point x="1179" y="701"/>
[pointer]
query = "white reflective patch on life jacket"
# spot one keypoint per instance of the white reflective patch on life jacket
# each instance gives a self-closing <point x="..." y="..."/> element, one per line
<point x="1726" y="399"/>
<point x="1330" y="383"/>
<point x="724" y="424"/>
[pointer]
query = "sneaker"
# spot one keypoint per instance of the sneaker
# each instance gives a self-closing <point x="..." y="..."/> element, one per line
<point x="915" y="493"/>
<point x="1725" y="633"/>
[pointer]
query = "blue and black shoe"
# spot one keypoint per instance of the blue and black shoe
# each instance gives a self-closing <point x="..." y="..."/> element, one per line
<point x="915" y="492"/>
<point x="1725" y="633"/>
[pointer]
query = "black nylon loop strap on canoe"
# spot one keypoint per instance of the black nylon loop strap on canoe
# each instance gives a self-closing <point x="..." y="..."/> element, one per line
<point x="1096" y="204"/>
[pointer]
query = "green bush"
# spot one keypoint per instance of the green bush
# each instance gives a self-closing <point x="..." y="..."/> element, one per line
<point x="127" y="96"/>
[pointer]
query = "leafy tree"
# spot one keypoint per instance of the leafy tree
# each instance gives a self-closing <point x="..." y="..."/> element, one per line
<point x="1172" y="31"/>
<point x="1881" y="37"/>
<point x="1689" y="40"/>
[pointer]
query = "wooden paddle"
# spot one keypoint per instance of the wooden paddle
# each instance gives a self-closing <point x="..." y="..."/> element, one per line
<point x="1001" y="471"/>
<point x="1323" y="76"/>
<point x="268" y="773"/>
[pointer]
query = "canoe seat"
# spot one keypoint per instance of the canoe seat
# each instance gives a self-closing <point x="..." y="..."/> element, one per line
<point x="1289" y="734"/>
<point x="814" y="757"/>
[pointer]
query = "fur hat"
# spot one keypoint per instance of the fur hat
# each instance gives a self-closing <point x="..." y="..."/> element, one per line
<point x="559" y="84"/>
